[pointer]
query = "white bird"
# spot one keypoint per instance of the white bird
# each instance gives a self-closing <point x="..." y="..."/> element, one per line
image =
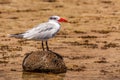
<point x="43" y="31"/>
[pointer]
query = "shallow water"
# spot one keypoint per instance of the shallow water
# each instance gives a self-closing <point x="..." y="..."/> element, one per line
<point x="29" y="76"/>
<point x="11" y="74"/>
<point x="39" y="76"/>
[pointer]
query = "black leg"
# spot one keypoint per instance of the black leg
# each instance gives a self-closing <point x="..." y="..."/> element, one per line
<point x="47" y="46"/>
<point x="43" y="46"/>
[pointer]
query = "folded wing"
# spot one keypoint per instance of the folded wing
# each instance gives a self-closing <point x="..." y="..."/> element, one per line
<point x="43" y="31"/>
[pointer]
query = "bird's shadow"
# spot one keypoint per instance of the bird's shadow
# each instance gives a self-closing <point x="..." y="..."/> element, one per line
<point x="56" y="54"/>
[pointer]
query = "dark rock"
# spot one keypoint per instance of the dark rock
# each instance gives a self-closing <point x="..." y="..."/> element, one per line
<point x="44" y="61"/>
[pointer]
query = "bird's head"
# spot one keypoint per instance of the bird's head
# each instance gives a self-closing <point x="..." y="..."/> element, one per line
<point x="57" y="18"/>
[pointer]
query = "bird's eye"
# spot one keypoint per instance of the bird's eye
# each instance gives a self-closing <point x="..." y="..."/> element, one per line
<point x="53" y="18"/>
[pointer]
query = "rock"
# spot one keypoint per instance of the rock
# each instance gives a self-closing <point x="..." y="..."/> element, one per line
<point x="44" y="61"/>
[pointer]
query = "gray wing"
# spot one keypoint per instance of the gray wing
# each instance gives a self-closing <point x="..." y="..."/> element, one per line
<point x="41" y="32"/>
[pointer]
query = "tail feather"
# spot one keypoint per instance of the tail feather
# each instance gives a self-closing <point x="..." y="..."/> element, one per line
<point x="15" y="35"/>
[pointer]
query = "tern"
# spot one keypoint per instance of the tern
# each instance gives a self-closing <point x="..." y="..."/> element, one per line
<point x="43" y="31"/>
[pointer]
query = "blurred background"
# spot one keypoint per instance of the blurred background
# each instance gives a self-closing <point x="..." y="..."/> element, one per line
<point x="89" y="43"/>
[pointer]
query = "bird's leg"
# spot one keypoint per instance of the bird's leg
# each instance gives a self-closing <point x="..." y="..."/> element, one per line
<point x="43" y="46"/>
<point x="47" y="46"/>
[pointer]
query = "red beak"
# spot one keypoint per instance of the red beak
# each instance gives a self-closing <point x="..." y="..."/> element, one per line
<point x="62" y="20"/>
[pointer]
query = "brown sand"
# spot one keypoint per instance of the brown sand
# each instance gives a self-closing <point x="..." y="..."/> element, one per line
<point x="89" y="43"/>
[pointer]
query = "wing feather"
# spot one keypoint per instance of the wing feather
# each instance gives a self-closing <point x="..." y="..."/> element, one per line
<point x="41" y="32"/>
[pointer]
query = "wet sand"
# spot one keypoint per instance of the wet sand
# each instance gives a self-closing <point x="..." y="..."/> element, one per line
<point x="89" y="43"/>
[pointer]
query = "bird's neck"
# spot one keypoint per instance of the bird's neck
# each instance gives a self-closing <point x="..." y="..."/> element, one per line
<point x="54" y="22"/>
